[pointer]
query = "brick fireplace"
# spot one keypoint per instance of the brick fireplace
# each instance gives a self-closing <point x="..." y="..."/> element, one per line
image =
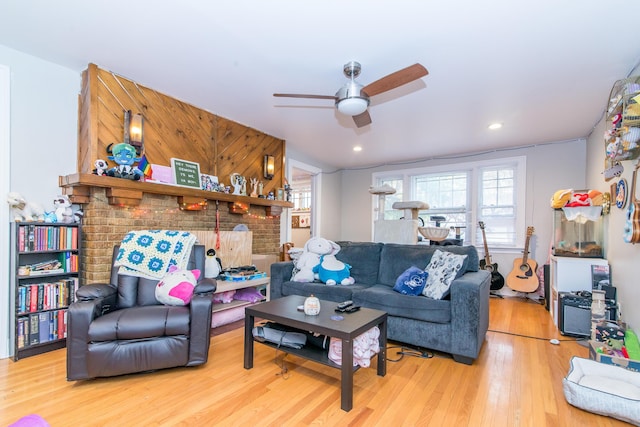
<point x="104" y="225"/>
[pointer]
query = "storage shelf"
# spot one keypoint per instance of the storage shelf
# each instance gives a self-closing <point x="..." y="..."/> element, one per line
<point x="40" y="301"/>
<point x="226" y="285"/>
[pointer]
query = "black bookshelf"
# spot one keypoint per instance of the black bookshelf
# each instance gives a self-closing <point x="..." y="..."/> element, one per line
<point x="45" y="273"/>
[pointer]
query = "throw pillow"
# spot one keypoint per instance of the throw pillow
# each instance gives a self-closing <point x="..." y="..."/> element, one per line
<point x="412" y="281"/>
<point x="176" y="287"/>
<point x="248" y="294"/>
<point x="442" y="269"/>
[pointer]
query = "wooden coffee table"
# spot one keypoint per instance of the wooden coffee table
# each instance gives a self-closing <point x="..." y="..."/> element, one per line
<point x="284" y="311"/>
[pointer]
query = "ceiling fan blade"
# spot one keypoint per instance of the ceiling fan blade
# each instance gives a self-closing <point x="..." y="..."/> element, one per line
<point x="394" y="80"/>
<point x="298" y="95"/>
<point x="362" y="119"/>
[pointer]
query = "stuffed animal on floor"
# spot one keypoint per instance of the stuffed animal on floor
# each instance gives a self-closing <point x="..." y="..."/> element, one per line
<point x="310" y="257"/>
<point x="332" y="271"/>
<point x="21" y="210"/>
<point x="176" y="287"/>
<point x="63" y="210"/>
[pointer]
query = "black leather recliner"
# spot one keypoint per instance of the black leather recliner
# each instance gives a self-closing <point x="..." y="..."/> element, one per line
<point x="120" y="328"/>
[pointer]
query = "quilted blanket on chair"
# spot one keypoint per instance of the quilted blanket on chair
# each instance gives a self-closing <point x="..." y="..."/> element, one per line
<point x="150" y="253"/>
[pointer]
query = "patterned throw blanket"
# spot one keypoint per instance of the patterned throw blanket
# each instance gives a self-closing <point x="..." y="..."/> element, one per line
<point x="150" y="253"/>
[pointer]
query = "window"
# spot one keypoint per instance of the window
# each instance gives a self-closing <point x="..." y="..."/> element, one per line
<point x="461" y="195"/>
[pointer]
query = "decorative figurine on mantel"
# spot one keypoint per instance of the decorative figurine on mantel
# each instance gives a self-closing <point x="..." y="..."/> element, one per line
<point x="239" y="184"/>
<point x="254" y="187"/>
<point x="261" y="190"/>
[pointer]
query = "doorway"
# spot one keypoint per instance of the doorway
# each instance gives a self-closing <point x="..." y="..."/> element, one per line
<point x="302" y="222"/>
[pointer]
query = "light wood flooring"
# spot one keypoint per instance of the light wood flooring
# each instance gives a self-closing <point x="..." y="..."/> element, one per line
<point x="517" y="381"/>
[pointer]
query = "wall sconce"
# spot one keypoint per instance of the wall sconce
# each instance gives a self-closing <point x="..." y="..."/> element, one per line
<point x="133" y="134"/>
<point x="269" y="166"/>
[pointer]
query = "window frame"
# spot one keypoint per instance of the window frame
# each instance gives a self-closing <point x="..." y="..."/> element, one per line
<point x="474" y="168"/>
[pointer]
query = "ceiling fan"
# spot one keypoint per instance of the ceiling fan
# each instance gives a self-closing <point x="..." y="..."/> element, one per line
<point x="353" y="99"/>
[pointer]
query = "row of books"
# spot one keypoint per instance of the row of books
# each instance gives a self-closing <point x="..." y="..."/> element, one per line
<point x="67" y="262"/>
<point x="33" y="238"/>
<point x="46" y="296"/>
<point x="38" y="328"/>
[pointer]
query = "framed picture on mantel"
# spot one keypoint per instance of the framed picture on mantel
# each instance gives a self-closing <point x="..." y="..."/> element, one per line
<point x="186" y="173"/>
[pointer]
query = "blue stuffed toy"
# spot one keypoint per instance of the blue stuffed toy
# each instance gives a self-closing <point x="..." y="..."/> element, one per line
<point x="333" y="271"/>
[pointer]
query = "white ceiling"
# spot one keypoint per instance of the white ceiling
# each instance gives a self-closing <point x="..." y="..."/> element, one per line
<point x="544" y="68"/>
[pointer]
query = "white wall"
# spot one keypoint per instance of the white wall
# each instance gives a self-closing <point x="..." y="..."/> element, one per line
<point x="549" y="167"/>
<point x="43" y="139"/>
<point x="44" y="130"/>
<point x="622" y="256"/>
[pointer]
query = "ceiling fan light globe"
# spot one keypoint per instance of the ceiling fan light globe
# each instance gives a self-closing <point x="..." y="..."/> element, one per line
<point x="353" y="106"/>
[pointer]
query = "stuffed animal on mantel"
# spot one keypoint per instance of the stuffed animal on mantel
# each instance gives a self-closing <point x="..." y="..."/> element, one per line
<point x="63" y="211"/>
<point x="333" y="271"/>
<point x="310" y="257"/>
<point x="21" y="210"/>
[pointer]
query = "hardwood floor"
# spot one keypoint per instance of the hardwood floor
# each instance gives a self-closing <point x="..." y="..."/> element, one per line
<point x="517" y="381"/>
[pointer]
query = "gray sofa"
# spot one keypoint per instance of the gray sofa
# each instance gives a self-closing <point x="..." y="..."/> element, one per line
<point x="456" y="324"/>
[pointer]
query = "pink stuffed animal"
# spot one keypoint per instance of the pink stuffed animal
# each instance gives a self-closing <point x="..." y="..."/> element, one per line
<point x="176" y="287"/>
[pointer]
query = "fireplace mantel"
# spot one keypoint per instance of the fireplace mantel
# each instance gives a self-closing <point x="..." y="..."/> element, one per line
<point x="125" y="192"/>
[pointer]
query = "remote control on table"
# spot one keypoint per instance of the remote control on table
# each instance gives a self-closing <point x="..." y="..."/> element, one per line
<point x="351" y="309"/>
<point x="344" y="305"/>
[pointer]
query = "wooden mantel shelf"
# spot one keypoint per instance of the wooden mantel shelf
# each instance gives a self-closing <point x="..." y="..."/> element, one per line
<point x="125" y="192"/>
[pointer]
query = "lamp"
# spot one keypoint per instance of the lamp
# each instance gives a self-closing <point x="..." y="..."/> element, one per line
<point x="351" y="100"/>
<point x="353" y="106"/>
<point x="269" y="166"/>
<point x="133" y="124"/>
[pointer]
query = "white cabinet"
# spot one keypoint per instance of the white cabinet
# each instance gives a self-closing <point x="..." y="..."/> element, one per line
<point x="569" y="274"/>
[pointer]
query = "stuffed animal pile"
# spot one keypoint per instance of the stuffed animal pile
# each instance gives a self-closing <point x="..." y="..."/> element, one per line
<point x="318" y="262"/>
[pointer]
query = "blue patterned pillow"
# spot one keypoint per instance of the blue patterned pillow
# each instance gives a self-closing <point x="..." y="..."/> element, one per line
<point x="443" y="269"/>
<point x="411" y="281"/>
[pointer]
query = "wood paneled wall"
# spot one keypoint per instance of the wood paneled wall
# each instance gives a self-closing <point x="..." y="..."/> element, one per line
<point x="172" y="128"/>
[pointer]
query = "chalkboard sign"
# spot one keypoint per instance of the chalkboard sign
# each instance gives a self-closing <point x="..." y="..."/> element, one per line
<point x="186" y="173"/>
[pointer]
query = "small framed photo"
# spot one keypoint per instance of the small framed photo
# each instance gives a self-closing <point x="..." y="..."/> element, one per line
<point x="208" y="182"/>
<point x="280" y="194"/>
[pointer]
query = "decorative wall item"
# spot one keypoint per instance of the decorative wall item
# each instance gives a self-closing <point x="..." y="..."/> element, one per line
<point x="186" y="173"/>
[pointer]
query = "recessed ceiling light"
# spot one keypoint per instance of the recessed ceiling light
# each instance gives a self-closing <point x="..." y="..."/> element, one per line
<point x="494" y="126"/>
<point x="357" y="148"/>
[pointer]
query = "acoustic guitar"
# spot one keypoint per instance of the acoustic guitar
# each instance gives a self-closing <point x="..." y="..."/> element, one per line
<point x="632" y="224"/>
<point x="497" y="280"/>
<point x="523" y="277"/>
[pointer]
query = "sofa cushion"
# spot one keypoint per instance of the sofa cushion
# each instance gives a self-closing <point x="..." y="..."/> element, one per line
<point x="396" y="258"/>
<point x="412" y="281"/>
<point x="443" y="268"/>
<point x="364" y="259"/>
<point x="140" y="323"/>
<point x="382" y="297"/>
<point x="337" y="293"/>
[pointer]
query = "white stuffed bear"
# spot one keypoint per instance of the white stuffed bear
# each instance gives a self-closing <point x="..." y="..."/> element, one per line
<point x="23" y="210"/>
<point x="310" y="257"/>
<point x="63" y="211"/>
<point x="176" y="287"/>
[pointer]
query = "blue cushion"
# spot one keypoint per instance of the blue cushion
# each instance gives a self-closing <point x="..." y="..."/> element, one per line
<point x="411" y="281"/>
